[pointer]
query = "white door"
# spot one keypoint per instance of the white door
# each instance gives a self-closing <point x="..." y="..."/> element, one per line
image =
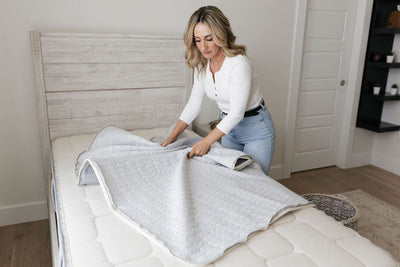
<point x="327" y="46"/>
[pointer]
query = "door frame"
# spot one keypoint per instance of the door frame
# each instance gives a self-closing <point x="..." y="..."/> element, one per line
<point x="360" y="40"/>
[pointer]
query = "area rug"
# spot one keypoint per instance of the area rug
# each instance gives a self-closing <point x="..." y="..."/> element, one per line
<point x="379" y="221"/>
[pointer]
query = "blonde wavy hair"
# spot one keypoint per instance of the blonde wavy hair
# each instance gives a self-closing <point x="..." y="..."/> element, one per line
<point x="221" y="32"/>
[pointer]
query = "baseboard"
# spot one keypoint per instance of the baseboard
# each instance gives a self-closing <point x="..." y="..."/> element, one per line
<point x="389" y="164"/>
<point x="359" y="159"/>
<point x="26" y="212"/>
<point x="276" y="172"/>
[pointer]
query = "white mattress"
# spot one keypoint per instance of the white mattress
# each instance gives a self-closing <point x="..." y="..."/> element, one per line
<point x="94" y="236"/>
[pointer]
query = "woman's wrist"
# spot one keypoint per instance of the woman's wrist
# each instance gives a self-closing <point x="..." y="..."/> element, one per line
<point x="213" y="136"/>
<point x="208" y="141"/>
<point x="171" y="138"/>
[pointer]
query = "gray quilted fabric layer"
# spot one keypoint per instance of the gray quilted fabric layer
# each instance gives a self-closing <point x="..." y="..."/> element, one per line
<point x="197" y="208"/>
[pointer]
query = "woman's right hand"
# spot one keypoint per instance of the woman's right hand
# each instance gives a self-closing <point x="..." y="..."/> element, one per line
<point x="168" y="141"/>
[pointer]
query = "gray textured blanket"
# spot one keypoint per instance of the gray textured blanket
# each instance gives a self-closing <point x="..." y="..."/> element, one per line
<point x="197" y="208"/>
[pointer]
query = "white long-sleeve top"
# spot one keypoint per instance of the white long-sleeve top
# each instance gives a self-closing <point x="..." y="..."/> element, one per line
<point x="235" y="90"/>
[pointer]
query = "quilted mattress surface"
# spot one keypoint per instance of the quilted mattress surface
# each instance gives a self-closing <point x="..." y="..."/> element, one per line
<point x="94" y="236"/>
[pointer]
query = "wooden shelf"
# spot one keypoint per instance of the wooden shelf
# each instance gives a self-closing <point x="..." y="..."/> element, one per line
<point x="386" y="30"/>
<point x="379" y="127"/>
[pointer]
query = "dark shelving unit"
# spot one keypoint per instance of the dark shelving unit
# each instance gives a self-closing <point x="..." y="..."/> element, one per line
<point x="380" y="42"/>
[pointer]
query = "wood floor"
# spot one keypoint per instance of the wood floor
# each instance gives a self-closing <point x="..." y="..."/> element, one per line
<point x="25" y="245"/>
<point x="28" y="244"/>
<point x="372" y="180"/>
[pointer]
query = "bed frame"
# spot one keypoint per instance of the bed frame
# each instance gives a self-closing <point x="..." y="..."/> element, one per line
<point x="85" y="82"/>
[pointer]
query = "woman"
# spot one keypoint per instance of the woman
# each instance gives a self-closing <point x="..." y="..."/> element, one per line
<point x="223" y="73"/>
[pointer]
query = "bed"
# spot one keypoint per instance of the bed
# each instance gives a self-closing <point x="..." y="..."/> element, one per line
<point x="85" y="82"/>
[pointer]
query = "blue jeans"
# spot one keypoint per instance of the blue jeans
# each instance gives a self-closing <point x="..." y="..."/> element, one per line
<point x="255" y="136"/>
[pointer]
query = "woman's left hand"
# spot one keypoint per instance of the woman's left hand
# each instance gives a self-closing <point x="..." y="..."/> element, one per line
<point x="199" y="149"/>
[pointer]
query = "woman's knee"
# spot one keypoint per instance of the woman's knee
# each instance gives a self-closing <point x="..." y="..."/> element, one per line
<point x="261" y="151"/>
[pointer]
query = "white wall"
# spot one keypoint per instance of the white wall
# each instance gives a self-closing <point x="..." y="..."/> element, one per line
<point x="265" y="26"/>
<point x="379" y="149"/>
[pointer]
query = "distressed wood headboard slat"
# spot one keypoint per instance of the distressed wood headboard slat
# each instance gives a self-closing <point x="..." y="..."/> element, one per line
<point x="111" y="49"/>
<point x="69" y="105"/>
<point x="128" y="109"/>
<point x="69" y="77"/>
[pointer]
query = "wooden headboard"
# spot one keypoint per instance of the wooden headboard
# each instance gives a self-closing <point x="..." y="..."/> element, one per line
<point x="85" y="82"/>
